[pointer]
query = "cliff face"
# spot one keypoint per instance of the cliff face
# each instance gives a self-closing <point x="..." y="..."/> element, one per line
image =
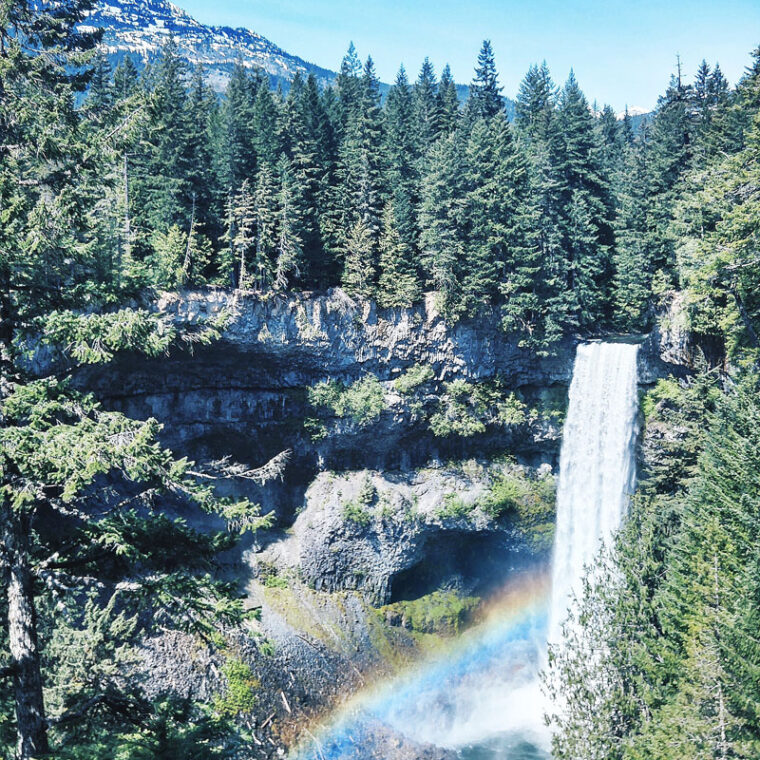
<point x="246" y="394"/>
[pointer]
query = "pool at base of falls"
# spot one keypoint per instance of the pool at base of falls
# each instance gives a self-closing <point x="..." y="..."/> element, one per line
<point x="508" y="747"/>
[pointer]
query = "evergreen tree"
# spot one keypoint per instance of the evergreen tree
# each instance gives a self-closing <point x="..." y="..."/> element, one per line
<point x="359" y="269"/>
<point x="485" y="93"/>
<point x="534" y="108"/>
<point x="125" y="78"/>
<point x="359" y="173"/>
<point x="632" y="259"/>
<point x="398" y="283"/>
<point x="402" y="167"/>
<point x="427" y="113"/>
<point x="266" y="204"/>
<point x="349" y="88"/>
<point x="491" y="235"/>
<point x="441" y="237"/>
<point x="448" y="102"/>
<point x="293" y="212"/>
<point x="585" y="204"/>
<point x="237" y="142"/>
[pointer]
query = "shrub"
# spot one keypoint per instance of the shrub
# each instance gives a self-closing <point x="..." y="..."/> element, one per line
<point x="443" y="612"/>
<point x="357" y="510"/>
<point x="454" y="507"/>
<point x="665" y="390"/>
<point x="242" y="686"/>
<point x="528" y="502"/>
<point x="362" y="401"/>
<point x="465" y="409"/>
<point x="413" y="378"/>
<point x="356" y="513"/>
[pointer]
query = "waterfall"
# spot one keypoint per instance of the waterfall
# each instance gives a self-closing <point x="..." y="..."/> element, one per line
<point x="483" y="695"/>
<point x="596" y="471"/>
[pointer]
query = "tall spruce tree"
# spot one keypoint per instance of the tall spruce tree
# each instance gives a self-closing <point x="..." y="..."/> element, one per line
<point x="448" y="102"/>
<point x="485" y="93"/>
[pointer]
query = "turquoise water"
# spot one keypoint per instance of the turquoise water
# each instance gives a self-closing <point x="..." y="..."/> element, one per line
<point x="505" y="748"/>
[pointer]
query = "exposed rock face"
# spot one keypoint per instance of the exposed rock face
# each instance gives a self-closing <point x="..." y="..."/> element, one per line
<point x="245" y="395"/>
<point x="672" y="349"/>
<point x="402" y="536"/>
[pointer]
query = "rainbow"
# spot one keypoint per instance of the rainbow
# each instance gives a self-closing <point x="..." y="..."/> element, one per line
<point x="481" y="684"/>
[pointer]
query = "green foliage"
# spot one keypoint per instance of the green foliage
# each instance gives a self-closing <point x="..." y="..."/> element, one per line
<point x="413" y="378"/>
<point x="362" y="402"/>
<point x="441" y="612"/>
<point x="357" y="511"/>
<point x="240" y="696"/>
<point x="466" y="409"/>
<point x="562" y="222"/>
<point x="674" y="605"/>
<point x="357" y="514"/>
<point x="454" y="507"/>
<point x="666" y="390"/>
<point x="96" y="338"/>
<point x="529" y="503"/>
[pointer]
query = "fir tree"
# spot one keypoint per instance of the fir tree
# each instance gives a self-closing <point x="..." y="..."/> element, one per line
<point x="398" y="284"/>
<point x="448" y="102"/>
<point x="441" y="237"/>
<point x="536" y="100"/>
<point x="427" y="114"/>
<point x="485" y="93"/>
<point x="359" y="269"/>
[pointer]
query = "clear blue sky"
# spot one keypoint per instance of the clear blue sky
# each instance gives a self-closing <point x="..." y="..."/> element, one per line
<point x="622" y="53"/>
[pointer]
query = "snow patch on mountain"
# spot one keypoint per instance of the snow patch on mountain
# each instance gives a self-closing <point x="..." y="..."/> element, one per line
<point x="141" y="28"/>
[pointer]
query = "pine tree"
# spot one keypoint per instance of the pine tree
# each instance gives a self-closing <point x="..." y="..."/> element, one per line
<point x="441" y="221"/>
<point x="485" y="93"/>
<point x="398" y="284"/>
<point x="349" y="88"/>
<point x="266" y="204"/>
<point x="448" y="102"/>
<point x="632" y="259"/>
<point x="359" y="173"/>
<point x="266" y="126"/>
<point x="293" y="212"/>
<point x="100" y="95"/>
<point x="236" y="158"/>
<point x="359" y="269"/>
<point x="427" y="114"/>
<point x="536" y="100"/>
<point x="242" y="233"/>
<point x="402" y="174"/>
<point x="585" y="204"/>
<point x="125" y="78"/>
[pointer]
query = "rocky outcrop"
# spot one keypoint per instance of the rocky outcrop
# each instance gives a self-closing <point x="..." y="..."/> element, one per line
<point x="400" y="536"/>
<point x="672" y="348"/>
<point x="245" y="395"/>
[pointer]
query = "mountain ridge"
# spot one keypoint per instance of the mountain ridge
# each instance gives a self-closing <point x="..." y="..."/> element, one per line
<point x="141" y="29"/>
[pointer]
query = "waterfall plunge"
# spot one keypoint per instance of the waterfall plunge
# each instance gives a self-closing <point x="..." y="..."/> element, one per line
<point x="596" y="471"/>
<point x="485" y="697"/>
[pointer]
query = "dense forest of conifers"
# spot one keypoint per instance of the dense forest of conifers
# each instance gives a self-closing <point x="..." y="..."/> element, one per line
<point x="116" y="184"/>
<point x="564" y="219"/>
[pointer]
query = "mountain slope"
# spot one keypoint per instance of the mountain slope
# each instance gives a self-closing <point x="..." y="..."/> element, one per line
<point x="141" y="28"/>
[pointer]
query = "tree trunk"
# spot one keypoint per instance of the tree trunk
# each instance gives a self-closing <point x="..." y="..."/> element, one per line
<point x="31" y="727"/>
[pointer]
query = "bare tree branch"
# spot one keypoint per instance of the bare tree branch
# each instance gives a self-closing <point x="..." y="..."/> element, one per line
<point x="226" y="468"/>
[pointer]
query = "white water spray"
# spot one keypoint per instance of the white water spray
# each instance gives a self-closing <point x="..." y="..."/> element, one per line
<point x="596" y="470"/>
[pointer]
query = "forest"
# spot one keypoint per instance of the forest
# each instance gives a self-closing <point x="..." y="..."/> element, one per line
<point x="119" y="184"/>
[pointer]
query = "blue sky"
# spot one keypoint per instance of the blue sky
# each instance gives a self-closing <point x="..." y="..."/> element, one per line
<point x="622" y="53"/>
